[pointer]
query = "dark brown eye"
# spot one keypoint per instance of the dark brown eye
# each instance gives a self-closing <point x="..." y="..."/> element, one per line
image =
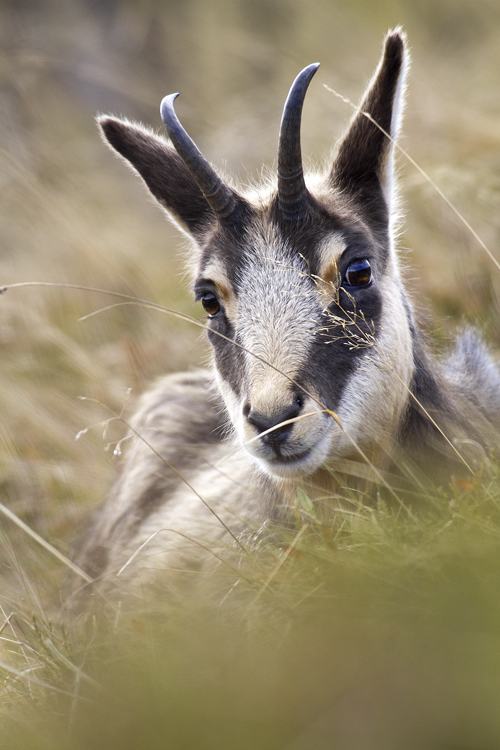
<point x="211" y="304"/>
<point x="359" y="273"/>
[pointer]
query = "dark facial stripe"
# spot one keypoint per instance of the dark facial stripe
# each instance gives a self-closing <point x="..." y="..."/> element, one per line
<point x="230" y="250"/>
<point x="346" y="334"/>
<point x="229" y="359"/>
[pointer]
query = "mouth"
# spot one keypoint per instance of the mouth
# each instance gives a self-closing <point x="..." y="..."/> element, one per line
<point x="292" y="461"/>
<point x="288" y="460"/>
<point x="292" y="465"/>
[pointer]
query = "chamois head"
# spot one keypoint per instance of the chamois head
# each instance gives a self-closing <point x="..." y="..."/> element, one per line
<point x="306" y="310"/>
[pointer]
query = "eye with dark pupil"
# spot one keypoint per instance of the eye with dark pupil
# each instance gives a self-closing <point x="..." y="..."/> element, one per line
<point x="358" y="273"/>
<point x="211" y="304"/>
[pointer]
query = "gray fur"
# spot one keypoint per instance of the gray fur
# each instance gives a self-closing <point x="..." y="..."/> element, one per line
<point x="291" y="335"/>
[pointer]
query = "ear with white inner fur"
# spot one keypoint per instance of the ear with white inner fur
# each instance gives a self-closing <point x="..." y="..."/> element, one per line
<point x="163" y="171"/>
<point x="365" y="156"/>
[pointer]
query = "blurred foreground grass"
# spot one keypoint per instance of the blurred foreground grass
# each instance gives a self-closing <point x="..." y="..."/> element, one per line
<point x="381" y="632"/>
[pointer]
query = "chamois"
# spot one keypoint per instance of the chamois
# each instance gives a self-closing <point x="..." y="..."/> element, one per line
<point x="319" y="366"/>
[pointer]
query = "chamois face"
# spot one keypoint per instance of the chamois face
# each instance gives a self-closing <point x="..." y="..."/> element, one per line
<point x="313" y="312"/>
<point x="306" y="312"/>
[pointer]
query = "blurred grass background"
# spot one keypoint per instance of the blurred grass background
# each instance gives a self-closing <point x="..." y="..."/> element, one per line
<point x="71" y="213"/>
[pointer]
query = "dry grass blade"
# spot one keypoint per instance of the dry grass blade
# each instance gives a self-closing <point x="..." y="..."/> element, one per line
<point x="30" y="678"/>
<point x="53" y="551"/>
<point x="281" y="560"/>
<point x="290" y="421"/>
<point x="190" y="539"/>
<point x="423" y="173"/>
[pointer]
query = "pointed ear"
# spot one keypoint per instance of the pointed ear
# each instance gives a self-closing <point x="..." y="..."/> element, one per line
<point x="365" y="155"/>
<point x="163" y="171"/>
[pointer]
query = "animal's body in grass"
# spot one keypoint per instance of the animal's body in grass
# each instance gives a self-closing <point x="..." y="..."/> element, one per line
<point x="319" y="367"/>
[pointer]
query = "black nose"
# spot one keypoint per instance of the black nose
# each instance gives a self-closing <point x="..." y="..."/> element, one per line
<point x="262" y="422"/>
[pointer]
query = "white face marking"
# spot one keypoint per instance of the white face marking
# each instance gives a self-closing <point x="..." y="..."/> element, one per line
<point x="279" y="307"/>
<point x="329" y="253"/>
<point x="216" y="272"/>
<point x="277" y="320"/>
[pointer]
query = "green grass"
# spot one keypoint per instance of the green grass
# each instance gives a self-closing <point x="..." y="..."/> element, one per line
<point x="377" y="630"/>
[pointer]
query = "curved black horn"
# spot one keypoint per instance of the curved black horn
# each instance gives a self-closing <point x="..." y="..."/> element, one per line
<point x="292" y="191"/>
<point x="219" y="196"/>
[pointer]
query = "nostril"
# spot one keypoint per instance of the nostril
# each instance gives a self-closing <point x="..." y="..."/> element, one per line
<point x="246" y="410"/>
<point x="259" y="421"/>
<point x="280" y="434"/>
